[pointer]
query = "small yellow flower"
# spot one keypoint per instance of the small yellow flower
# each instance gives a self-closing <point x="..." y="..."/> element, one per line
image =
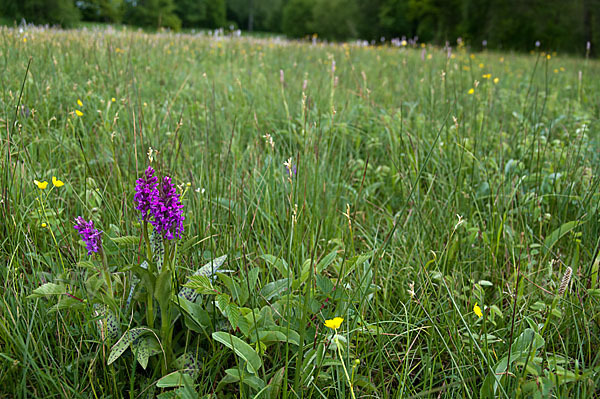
<point x="78" y="112"/>
<point x="334" y="323"/>
<point x="496" y="80"/>
<point x="471" y="90"/>
<point x="113" y="99"/>
<point x="501" y="59"/>
<point x="56" y="182"/>
<point x="555" y="70"/>
<point x="486" y="75"/>
<point x="24" y="40"/>
<point x="548" y="56"/>
<point x="472" y="56"/>
<point x="41" y="185"/>
<point x="481" y="65"/>
<point x="44" y="225"/>
<point x="477" y="310"/>
<point x="79" y="103"/>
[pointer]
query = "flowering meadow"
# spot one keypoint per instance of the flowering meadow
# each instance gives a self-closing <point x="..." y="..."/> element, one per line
<point x="221" y="216"/>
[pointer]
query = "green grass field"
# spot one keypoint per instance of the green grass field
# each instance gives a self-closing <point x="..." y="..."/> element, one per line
<point x="445" y="206"/>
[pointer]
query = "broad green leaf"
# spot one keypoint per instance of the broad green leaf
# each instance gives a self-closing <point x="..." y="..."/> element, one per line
<point x="274" y="288"/>
<point x="275" y="383"/>
<point x="242" y="349"/>
<point x="186" y="392"/>
<point x="248" y="379"/>
<point x="195" y="314"/>
<point x="126" y="241"/>
<point x="324" y="284"/>
<point x="162" y="288"/>
<point x="561" y="231"/>
<point x="175" y="379"/>
<point x="67" y="303"/>
<point x="88" y="264"/>
<point x="277" y="333"/>
<point x="47" y="290"/>
<point x="200" y="284"/>
<point x="253" y="277"/>
<point x="326" y="261"/>
<point x="274" y="336"/>
<point x="524" y="346"/>
<point x="280" y="264"/>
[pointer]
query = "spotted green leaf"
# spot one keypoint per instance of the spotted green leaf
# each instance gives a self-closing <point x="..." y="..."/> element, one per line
<point x="126" y="340"/>
<point x="204" y="272"/>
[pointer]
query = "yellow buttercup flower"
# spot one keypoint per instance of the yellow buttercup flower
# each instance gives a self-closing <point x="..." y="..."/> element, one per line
<point x="496" y="80"/>
<point x="113" y="99"/>
<point x="477" y="310"/>
<point x="79" y="103"/>
<point x="44" y="225"/>
<point x="78" y="112"/>
<point x="334" y="323"/>
<point x="471" y="91"/>
<point x="56" y="182"/>
<point x="41" y="185"/>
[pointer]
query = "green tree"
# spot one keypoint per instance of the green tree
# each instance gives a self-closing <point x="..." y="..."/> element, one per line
<point x="53" y="12"/>
<point x="394" y="19"/>
<point x="298" y="17"/>
<point x="216" y="14"/>
<point x="265" y="15"/>
<point x="336" y="19"/>
<point x="153" y="13"/>
<point x="191" y="12"/>
<point x="102" y="10"/>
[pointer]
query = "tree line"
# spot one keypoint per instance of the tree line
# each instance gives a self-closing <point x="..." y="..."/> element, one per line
<point x="506" y="24"/>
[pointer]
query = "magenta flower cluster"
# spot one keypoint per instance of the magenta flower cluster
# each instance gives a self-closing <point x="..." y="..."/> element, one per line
<point x="159" y="204"/>
<point x="145" y="192"/>
<point x="89" y="234"/>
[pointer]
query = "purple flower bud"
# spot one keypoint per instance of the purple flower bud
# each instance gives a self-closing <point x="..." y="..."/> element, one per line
<point x="292" y="172"/>
<point x="166" y="210"/>
<point x="537" y="43"/>
<point x="146" y="192"/>
<point x="89" y="234"/>
<point x="588" y="46"/>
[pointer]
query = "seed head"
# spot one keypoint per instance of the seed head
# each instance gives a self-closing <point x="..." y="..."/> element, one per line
<point x="564" y="283"/>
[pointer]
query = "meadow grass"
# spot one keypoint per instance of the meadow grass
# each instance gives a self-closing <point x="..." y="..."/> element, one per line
<point x="368" y="183"/>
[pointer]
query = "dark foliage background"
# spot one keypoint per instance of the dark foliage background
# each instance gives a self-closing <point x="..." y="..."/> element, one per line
<point x="505" y="24"/>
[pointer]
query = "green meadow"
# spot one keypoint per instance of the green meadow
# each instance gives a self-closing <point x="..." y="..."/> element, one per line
<point x="396" y="221"/>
